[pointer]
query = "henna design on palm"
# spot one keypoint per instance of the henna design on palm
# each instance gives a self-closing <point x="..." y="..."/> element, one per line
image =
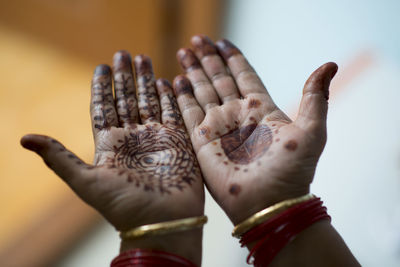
<point x="155" y="159"/>
<point x="144" y="161"/>
<point x="251" y="154"/>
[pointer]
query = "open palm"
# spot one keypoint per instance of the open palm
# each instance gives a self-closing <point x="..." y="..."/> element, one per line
<point x="143" y="172"/>
<point x="251" y="154"/>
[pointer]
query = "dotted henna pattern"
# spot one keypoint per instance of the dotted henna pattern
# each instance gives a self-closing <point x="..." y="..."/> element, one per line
<point x="162" y="159"/>
<point x="246" y="144"/>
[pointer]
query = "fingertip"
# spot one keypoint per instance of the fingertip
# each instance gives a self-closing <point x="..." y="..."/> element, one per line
<point x="227" y="49"/>
<point x="330" y="68"/>
<point x="122" y="60"/>
<point x="182" y="85"/>
<point x="320" y="79"/>
<point x="162" y="82"/>
<point x="30" y="142"/>
<point x="143" y="64"/>
<point x="102" y="69"/>
<point x="187" y="59"/>
<point x="203" y="45"/>
<point x="163" y="86"/>
<point x="197" y="39"/>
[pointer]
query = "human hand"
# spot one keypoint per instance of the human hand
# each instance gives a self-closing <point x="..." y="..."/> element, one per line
<point x="251" y="154"/>
<point x="145" y="170"/>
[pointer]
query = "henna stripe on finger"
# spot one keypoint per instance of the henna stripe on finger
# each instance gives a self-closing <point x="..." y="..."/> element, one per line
<point x="125" y="91"/>
<point x="149" y="107"/>
<point x="170" y="114"/>
<point x="102" y="101"/>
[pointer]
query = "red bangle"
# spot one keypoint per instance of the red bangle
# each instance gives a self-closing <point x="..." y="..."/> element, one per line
<point x="149" y="258"/>
<point x="278" y="231"/>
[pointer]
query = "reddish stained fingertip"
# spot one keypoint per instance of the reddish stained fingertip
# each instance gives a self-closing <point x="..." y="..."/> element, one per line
<point x="227" y="49"/>
<point x="182" y="86"/>
<point x="322" y="77"/>
<point x="187" y="59"/>
<point x="203" y="46"/>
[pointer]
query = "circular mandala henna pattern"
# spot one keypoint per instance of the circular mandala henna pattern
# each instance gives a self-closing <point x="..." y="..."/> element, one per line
<point x="247" y="144"/>
<point x="157" y="160"/>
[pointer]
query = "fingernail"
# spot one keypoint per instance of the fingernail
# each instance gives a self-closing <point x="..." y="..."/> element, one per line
<point x="203" y="46"/>
<point x="188" y="59"/>
<point x="227" y="49"/>
<point x="102" y="69"/>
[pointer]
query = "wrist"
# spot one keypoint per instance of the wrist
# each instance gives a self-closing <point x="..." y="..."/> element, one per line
<point x="187" y="244"/>
<point x="318" y="245"/>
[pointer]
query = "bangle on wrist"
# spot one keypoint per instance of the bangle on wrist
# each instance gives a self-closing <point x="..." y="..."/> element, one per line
<point x="266" y="214"/>
<point x="277" y="231"/>
<point x="164" y="227"/>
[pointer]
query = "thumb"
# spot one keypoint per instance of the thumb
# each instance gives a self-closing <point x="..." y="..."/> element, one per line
<point x="62" y="161"/>
<point x="314" y="103"/>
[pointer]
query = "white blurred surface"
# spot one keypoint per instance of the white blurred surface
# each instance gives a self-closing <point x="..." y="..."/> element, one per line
<point x="359" y="173"/>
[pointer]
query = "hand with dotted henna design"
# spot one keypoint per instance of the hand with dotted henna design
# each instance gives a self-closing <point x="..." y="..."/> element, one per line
<point x="145" y="170"/>
<point x="251" y="154"/>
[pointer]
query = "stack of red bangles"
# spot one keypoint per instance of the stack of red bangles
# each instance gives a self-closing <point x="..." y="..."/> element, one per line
<point x="273" y="228"/>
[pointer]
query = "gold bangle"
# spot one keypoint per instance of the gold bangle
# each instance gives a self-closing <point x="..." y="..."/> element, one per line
<point x="164" y="227"/>
<point x="266" y="214"/>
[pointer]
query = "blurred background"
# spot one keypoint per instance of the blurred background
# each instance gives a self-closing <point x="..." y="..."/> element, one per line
<point x="48" y="50"/>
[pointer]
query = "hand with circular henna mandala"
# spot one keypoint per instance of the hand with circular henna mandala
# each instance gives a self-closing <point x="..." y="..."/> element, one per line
<point x="251" y="154"/>
<point x="145" y="170"/>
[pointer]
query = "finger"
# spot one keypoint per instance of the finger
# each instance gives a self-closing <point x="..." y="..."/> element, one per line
<point x="214" y="67"/>
<point x="62" y="161"/>
<point x="124" y="87"/>
<point x="192" y="113"/>
<point x="314" y="103"/>
<point x="102" y="109"/>
<point x="246" y="78"/>
<point x="202" y="88"/>
<point x="149" y="107"/>
<point x="170" y="114"/>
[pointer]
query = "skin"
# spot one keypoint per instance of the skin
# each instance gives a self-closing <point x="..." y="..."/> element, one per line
<point x="145" y="170"/>
<point x="251" y="154"/>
